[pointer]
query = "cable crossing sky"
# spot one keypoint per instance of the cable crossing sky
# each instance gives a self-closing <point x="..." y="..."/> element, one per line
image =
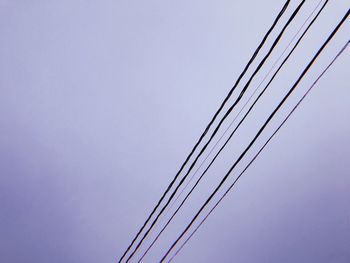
<point x="208" y="126"/>
<point x="158" y="218"/>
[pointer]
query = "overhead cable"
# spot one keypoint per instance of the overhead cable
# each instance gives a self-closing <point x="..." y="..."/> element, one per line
<point x="208" y="126"/>
<point x="233" y="132"/>
<point x="258" y="134"/>
<point x="245" y="104"/>
<point x="263" y="147"/>
<point x="219" y="125"/>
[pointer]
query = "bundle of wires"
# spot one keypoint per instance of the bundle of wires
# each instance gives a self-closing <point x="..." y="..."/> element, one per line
<point x="169" y="197"/>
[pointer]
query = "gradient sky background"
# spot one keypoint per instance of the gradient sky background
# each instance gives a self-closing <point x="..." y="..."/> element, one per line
<point x="101" y="101"/>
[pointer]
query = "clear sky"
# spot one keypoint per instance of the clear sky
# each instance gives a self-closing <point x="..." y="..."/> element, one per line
<point x="101" y="101"/>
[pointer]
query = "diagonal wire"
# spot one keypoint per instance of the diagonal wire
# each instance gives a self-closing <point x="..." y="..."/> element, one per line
<point x="219" y="125"/>
<point x="243" y="107"/>
<point x="208" y="126"/>
<point x="240" y="111"/>
<point x="231" y="135"/>
<point x="258" y="134"/>
<point x="229" y="138"/>
<point x="262" y="148"/>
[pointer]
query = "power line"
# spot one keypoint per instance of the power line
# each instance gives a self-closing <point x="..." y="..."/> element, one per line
<point x="205" y="132"/>
<point x="219" y="125"/>
<point x="243" y="107"/>
<point x="231" y="135"/>
<point x="208" y="126"/>
<point x="258" y="134"/>
<point x="262" y="148"/>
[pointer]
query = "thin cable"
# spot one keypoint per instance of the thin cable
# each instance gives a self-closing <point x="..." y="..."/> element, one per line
<point x="209" y="125"/>
<point x="231" y="135"/>
<point x="237" y="115"/>
<point x="219" y="125"/>
<point x="244" y="106"/>
<point x="262" y="148"/>
<point x="258" y="134"/>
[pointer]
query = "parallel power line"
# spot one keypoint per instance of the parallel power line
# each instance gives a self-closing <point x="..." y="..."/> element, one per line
<point x="234" y="119"/>
<point x="219" y="124"/>
<point x="208" y="126"/>
<point x="245" y="104"/>
<point x="263" y="147"/>
<point x="258" y="134"/>
<point x="231" y="135"/>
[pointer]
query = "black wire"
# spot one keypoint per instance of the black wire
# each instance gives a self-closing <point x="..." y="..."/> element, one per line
<point x="243" y="107"/>
<point x="262" y="148"/>
<point x="219" y="125"/>
<point x="238" y="125"/>
<point x="208" y="126"/>
<point x="258" y="134"/>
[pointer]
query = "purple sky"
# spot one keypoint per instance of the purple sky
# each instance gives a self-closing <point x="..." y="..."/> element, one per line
<point x="101" y="101"/>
